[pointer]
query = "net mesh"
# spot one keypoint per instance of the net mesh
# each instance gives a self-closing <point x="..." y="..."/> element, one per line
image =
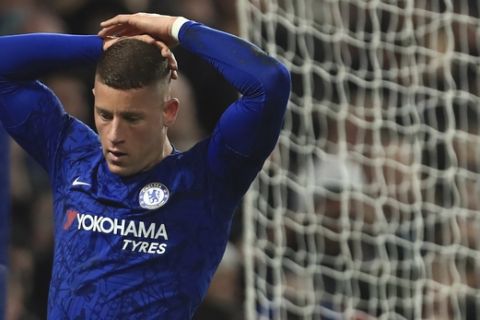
<point x="369" y="206"/>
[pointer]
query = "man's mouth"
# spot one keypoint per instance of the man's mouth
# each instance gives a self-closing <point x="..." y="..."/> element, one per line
<point x="115" y="155"/>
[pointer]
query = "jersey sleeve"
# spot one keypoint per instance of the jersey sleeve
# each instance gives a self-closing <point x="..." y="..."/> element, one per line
<point x="29" y="111"/>
<point x="249" y="128"/>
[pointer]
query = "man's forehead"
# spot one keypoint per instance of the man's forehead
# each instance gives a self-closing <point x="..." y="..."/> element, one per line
<point x="152" y="93"/>
<point x="122" y="110"/>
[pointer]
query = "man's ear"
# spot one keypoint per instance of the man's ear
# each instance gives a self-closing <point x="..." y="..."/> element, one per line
<point x="93" y="91"/>
<point x="170" y="111"/>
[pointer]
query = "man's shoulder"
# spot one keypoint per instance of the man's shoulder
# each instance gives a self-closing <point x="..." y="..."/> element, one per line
<point x="196" y="153"/>
<point x="79" y="137"/>
<point x="79" y="144"/>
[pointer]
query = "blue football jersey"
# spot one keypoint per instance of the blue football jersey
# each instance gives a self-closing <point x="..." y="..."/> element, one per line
<point x="145" y="246"/>
<point x="135" y="247"/>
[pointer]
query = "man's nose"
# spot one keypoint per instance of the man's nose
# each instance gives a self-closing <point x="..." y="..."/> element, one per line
<point x="115" y="134"/>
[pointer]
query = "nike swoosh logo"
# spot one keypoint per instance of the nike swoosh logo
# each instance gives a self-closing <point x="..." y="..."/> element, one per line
<point x="77" y="182"/>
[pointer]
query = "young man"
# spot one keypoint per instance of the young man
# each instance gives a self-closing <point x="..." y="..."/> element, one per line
<point x="139" y="227"/>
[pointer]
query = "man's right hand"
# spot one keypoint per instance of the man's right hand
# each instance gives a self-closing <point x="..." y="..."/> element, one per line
<point x="155" y="25"/>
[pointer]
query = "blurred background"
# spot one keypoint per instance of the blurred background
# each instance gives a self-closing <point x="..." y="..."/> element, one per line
<point x="203" y="94"/>
<point x="367" y="209"/>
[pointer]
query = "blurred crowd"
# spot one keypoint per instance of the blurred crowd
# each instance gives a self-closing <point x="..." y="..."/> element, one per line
<point x="382" y="157"/>
<point x="203" y="95"/>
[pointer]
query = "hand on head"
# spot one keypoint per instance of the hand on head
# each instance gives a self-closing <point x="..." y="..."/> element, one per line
<point x="151" y="28"/>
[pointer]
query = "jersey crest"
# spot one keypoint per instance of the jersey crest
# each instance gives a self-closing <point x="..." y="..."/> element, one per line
<point x="153" y="196"/>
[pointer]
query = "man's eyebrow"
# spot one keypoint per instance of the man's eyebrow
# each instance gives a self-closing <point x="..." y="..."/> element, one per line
<point x="131" y="113"/>
<point x="100" y="109"/>
<point x="123" y="113"/>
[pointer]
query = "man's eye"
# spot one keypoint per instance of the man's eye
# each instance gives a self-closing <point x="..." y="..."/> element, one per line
<point x="132" y="119"/>
<point x="105" y="115"/>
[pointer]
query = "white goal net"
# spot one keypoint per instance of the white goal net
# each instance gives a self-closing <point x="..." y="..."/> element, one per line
<point x="369" y="206"/>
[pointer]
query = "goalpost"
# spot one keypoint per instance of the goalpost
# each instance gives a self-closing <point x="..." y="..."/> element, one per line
<point x="369" y="207"/>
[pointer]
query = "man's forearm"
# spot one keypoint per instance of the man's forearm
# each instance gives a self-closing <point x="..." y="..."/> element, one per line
<point x="244" y="65"/>
<point x="29" y="56"/>
<point x="252" y="124"/>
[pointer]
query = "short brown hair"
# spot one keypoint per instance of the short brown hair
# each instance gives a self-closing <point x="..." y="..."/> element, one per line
<point x="132" y="64"/>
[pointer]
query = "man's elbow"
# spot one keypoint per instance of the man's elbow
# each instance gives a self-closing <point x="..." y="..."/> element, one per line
<point x="279" y="82"/>
<point x="282" y="76"/>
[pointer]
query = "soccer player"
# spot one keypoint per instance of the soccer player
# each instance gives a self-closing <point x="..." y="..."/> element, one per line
<point x="139" y="226"/>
